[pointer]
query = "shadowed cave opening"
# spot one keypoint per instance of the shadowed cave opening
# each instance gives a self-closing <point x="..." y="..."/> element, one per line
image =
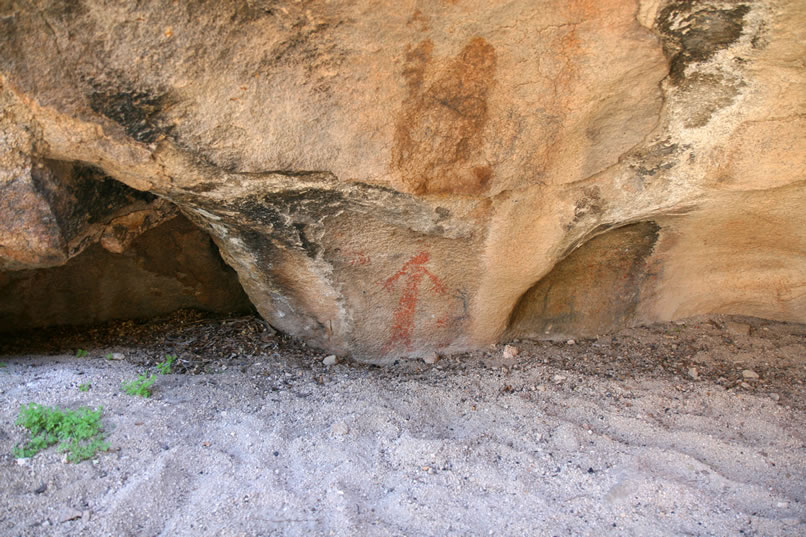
<point x="172" y="266"/>
<point x="594" y="290"/>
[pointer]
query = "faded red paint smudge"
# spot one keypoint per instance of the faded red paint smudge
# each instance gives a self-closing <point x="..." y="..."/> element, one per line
<point x="413" y="270"/>
<point x="357" y="258"/>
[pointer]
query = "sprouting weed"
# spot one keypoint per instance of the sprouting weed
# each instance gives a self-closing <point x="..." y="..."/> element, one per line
<point x="165" y="367"/>
<point x="140" y="386"/>
<point x="78" y="432"/>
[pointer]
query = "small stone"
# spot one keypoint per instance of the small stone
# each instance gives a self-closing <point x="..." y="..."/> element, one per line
<point x="692" y="372"/>
<point x="25" y="461"/>
<point x="340" y="428"/>
<point x="745" y="385"/>
<point x="431" y="358"/>
<point x="570" y="342"/>
<point x="774" y="396"/>
<point x="559" y="378"/>
<point x="737" y="329"/>
<point x="86" y="515"/>
<point x="749" y="374"/>
<point x="511" y="351"/>
<point x="330" y="360"/>
<point x="68" y="515"/>
<point x="116" y="356"/>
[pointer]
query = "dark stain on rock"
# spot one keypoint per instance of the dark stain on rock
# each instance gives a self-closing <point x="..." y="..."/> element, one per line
<point x="714" y="92"/>
<point x="694" y="33"/>
<point x="590" y="204"/>
<point x="289" y="216"/>
<point x="312" y="249"/>
<point x="296" y="219"/>
<point x="310" y="44"/>
<point x="595" y="289"/>
<point x="80" y="195"/>
<point x="655" y="158"/>
<point x="439" y="131"/>
<point x="138" y="112"/>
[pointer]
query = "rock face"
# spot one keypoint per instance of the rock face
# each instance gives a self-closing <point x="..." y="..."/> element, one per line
<point x="172" y="266"/>
<point x="396" y="179"/>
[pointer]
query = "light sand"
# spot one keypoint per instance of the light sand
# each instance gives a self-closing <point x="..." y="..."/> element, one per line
<point x="477" y="445"/>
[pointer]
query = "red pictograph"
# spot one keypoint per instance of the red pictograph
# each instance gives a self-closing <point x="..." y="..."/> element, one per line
<point x="412" y="272"/>
<point x="357" y="258"/>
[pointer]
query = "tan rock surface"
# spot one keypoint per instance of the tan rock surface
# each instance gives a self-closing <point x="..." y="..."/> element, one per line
<point x="396" y="179"/>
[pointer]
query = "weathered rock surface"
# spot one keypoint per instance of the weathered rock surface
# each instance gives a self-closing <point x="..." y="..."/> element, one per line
<point x="396" y="179"/>
<point x="172" y="266"/>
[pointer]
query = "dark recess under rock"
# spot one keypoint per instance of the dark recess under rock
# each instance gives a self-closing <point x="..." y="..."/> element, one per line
<point x="170" y="267"/>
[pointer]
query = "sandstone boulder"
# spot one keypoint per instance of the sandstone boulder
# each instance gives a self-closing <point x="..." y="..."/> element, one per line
<point x="396" y="179"/>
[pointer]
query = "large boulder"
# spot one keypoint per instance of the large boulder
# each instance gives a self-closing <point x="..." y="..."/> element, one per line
<point x="394" y="179"/>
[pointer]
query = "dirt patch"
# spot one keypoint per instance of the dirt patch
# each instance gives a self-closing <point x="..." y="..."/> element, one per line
<point x="682" y="428"/>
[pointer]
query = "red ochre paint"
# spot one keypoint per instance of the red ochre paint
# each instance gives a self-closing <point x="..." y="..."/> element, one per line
<point x="413" y="270"/>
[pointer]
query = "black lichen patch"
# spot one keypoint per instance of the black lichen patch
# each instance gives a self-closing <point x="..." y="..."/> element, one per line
<point x="312" y="249"/>
<point x="138" y="112"/>
<point x="297" y="218"/>
<point x="291" y="214"/>
<point x="693" y="31"/>
<point x="590" y="204"/>
<point x="80" y="195"/>
<point x="655" y="158"/>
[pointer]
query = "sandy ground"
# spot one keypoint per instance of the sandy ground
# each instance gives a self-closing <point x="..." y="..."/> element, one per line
<point x="653" y="431"/>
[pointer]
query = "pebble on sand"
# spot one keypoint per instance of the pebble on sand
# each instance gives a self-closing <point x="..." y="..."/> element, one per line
<point x="511" y="351"/>
<point x="431" y="358"/>
<point x="340" y="428"/>
<point x="749" y="374"/>
<point x="330" y="360"/>
<point x="738" y="329"/>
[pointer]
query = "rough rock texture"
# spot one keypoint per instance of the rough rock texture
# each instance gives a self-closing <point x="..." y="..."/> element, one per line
<point x="392" y="179"/>
<point x="173" y="266"/>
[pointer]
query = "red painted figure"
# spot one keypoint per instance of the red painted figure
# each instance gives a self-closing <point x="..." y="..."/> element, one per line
<point x="413" y="270"/>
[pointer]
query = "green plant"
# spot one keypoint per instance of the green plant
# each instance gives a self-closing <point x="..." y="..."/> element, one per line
<point x="140" y="386"/>
<point x="109" y="356"/>
<point x="78" y="432"/>
<point x="3" y="364"/>
<point x="84" y="387"/>
<point x="165" y="367"/>
<point x="81" y="353"/>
